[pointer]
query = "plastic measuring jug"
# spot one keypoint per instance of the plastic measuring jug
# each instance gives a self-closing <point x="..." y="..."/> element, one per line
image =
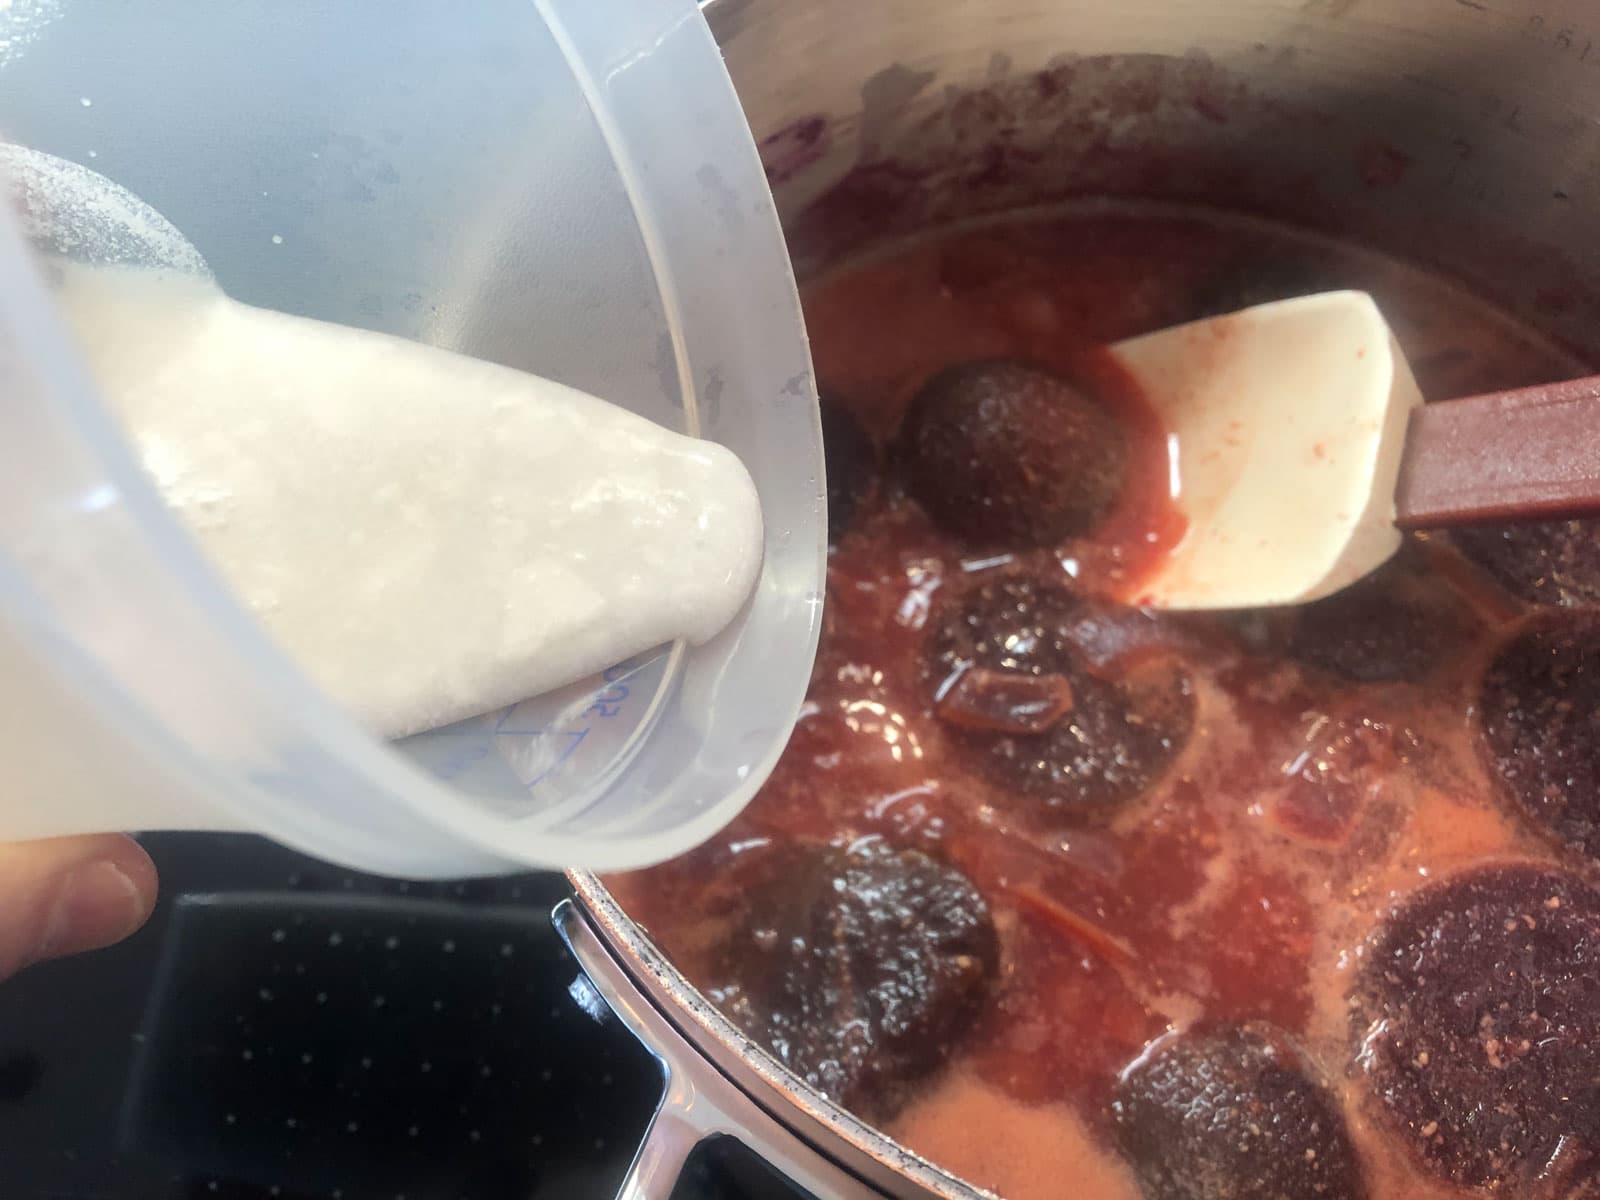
<point x="563" y="187"/>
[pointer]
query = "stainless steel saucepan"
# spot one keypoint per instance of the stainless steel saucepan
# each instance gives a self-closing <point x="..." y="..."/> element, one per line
<point x="1461" y="134"/>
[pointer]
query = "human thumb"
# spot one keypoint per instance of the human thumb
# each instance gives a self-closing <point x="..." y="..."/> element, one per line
<point x="65" y="895"/>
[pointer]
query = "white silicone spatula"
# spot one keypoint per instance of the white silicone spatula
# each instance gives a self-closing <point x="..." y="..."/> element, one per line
<point x="1300" y="449"/>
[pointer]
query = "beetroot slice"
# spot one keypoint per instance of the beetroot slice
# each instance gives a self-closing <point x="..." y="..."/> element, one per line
<point x="1394" y="624"/>
<point x="1233" y="1114"/>
<point x="859" y="968"/>
<point x="1551" y="563"/>
<point x="1475" y="1018"/>
<point x="1003" y="452"/>
<point x="1126" y="722"/>
<point x="1539" y="719"/>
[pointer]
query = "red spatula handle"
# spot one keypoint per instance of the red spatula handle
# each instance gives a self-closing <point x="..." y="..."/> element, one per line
<point x="1527" y="455"/>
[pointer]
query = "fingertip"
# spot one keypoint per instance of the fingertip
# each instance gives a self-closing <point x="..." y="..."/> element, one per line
<point x="135" y="863"/>
<point x="96" y="905"/>
<point x="69" y="895"/>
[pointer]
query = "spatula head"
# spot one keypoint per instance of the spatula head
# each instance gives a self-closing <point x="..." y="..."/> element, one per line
<point x="1285" y="428"/>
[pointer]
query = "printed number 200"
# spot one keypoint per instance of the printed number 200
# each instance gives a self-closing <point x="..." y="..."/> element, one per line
<point x="608" y="703"/>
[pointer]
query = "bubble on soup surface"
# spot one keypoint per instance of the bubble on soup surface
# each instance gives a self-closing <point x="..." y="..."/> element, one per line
<point x="1002" y="452"/>
<point x="1476" y="1022"/>
<point x="1539" y="721"/>
<point x="1232" y="1114"/>
<point x="1094" y="733"/>
<point x="859" y="968"/>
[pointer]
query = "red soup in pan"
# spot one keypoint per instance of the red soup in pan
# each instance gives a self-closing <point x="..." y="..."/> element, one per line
<point x="1078" y="899"/>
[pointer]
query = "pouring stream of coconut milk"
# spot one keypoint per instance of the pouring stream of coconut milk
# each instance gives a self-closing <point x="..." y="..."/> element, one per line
<point x="430" y="536"/>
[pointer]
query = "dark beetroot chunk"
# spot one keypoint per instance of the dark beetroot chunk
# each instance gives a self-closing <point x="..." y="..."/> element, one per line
<point x="1554" y="562"/>
<point x="1394" y="624"/>
<point x="1232" y="1115"/>
<point x="1112" y="728"/>
<point x="1002" y="452"/>
<point x="1476" y="1019"/>
<point x="1540" y="718"/>
<point x="851" y="463"/>
<point x="859" y="969"/>
<point x="1005" y="701"/>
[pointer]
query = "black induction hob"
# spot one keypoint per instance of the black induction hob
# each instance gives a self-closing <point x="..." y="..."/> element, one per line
<point x="283" y="1030"/>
